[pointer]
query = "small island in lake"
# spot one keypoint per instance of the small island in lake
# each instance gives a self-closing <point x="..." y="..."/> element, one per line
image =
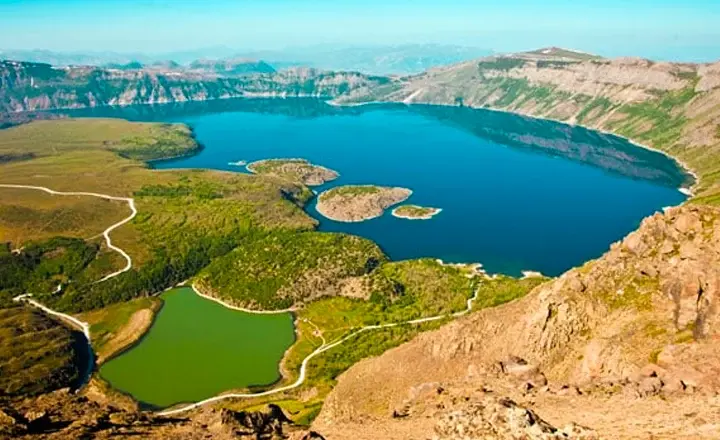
<point x="415" y="212"/>
<point x="296" y="170"/>
<point x="356" y="203"/>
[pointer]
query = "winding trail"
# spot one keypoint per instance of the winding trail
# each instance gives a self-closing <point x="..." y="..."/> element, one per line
<point x="323" y="348"/>
<point x="84" y="326"/>
<point x="106" y="232"/>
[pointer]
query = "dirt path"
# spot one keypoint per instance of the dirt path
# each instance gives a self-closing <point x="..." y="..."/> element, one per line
<point x="106" y="232"/>
<point x="84" y="326"/>
<point x="303" y="367"/>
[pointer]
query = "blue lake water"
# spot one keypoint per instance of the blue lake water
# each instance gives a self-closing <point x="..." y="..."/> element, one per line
<point x="516" y="193"/>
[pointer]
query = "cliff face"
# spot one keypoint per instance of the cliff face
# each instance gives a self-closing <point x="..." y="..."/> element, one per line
<point x="606" y="340"/>
<point x="672" y="107"/>
<point x="32" y="86"/>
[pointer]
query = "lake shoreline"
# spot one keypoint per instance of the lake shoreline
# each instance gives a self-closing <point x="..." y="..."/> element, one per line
<point x="134" y="374"/>
<point x="683" y="165"/>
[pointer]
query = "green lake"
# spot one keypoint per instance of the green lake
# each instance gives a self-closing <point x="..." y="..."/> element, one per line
<point x="197" y="348"/>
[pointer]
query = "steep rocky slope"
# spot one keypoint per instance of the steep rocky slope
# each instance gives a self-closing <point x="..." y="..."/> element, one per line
<point x="673" y="107"/>
<point x="33" y="86"/>
<point x="628" y="341"/>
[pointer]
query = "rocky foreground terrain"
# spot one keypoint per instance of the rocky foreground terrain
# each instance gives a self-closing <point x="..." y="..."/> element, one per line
<point x="64" y="415"/>
<point x="358" y="203"/>
<point x="623" y="347"/>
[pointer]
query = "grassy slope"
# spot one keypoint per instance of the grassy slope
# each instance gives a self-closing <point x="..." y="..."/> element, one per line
<point x="115" y="328"/>
<point x="37" y="354"/>
<point x="41" y="266"/>
<point x="284" y="269"/>
<point x="423" y="288"/>
<point x="186" y="217"/>
<point x="350" y="191"/>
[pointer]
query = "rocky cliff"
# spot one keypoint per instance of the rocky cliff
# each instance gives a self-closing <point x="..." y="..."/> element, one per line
<point x="628" y="341"/>
<point x="33" y="86"/>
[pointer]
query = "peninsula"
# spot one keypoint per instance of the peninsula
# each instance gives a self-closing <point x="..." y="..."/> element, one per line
<point x="415" y="212"/>
<point x="295" y="170"/>
<point x="356" y="203"/>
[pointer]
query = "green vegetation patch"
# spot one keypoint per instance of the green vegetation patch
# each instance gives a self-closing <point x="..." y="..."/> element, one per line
<point x="502" y="289"/>
<point x="40" y="267"/>
<point x="402" y="291"/>
<point x="278" y="270"/>
<point x="37" y="354"/>
<point x="504" y="64"/>
<point x="201" y="190"/>
<point x="113" y="328"/>
<point x="185" y="217"/>
<point x="412" y="289"/>
<point x="658" y="121"/>
<point x="164" y="141"/>
<point x="600" y="104"/>
<point x="350" y="191"/>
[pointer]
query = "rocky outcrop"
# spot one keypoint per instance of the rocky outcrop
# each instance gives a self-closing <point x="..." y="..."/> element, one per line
<point x="63" y="415"/>
<point x="502" y="418"/>
<point x="295" y="170"/>
<point x="356" y="203"/>
<point x="604" y="339"/>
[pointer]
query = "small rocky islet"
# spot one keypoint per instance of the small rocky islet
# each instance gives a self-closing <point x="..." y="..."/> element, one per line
<point x="356" y="203"/>
<point x="349" y="203"/>
<point x="415" y="212"/>
<point x="296" y="170"/>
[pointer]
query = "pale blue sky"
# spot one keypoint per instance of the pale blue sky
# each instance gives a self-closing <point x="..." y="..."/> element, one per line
<point x="660" y="28"/>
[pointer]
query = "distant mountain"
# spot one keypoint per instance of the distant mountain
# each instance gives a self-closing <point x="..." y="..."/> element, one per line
<point x="376" y="60"/>
<point x="102" y="58"/>
<point x="166" y="64"/>
<point x="73" y="58"/>
<point x="232" y="66"/>
<point x="133" y="65"/>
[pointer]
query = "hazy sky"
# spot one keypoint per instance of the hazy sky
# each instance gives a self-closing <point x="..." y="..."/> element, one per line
<point x="654" y="28"/>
